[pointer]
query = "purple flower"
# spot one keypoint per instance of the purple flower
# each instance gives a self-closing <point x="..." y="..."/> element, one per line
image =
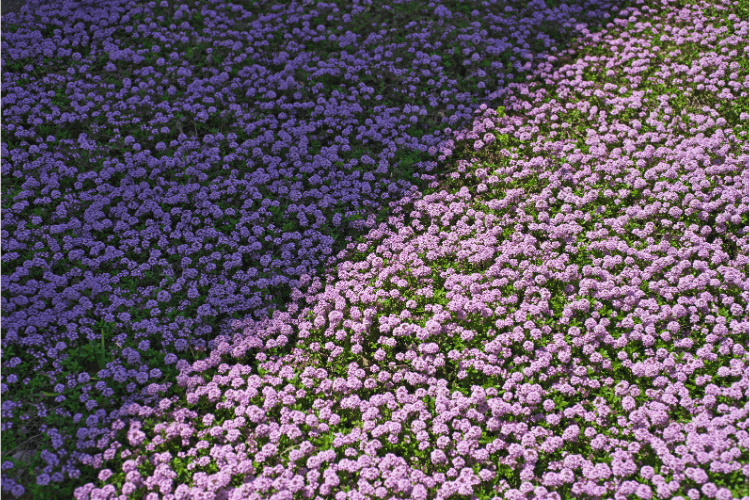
<point x="644" y="492"/>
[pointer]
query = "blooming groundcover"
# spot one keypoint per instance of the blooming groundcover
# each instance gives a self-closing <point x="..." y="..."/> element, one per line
<point x="558" y="310"/>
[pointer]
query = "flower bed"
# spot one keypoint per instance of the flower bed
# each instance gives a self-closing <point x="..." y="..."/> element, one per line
<point x="324" y="292"/>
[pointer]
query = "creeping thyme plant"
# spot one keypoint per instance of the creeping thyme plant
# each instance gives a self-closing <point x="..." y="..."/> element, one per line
<point x="359" y="249"/>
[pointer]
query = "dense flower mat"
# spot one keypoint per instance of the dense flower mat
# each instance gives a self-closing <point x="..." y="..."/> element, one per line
<point x="562" y="315"/>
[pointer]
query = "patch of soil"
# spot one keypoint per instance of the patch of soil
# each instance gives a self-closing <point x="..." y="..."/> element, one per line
<point x="7" y="6"/>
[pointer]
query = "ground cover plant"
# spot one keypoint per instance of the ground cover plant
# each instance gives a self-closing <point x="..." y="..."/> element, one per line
<point x="279" y="275"/>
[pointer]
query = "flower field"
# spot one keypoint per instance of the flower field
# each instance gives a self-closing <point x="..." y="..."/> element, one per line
<point x="286" y="250"/>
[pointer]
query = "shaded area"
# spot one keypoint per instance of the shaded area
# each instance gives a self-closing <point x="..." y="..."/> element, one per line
<point x="14" y="6"/>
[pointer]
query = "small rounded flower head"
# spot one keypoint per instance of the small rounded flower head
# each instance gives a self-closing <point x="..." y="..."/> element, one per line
<point x="438" y="457"/>
<point x="533" y="398"/>
<point x="628" y="403"/>
<point x="643" y="491"/>
<point x="334" y="317"/>
<point x="723" y="494"/>
<point x="709" y="489"/>
<point x="571" y="433"/>
<point x="647" y="472"/>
